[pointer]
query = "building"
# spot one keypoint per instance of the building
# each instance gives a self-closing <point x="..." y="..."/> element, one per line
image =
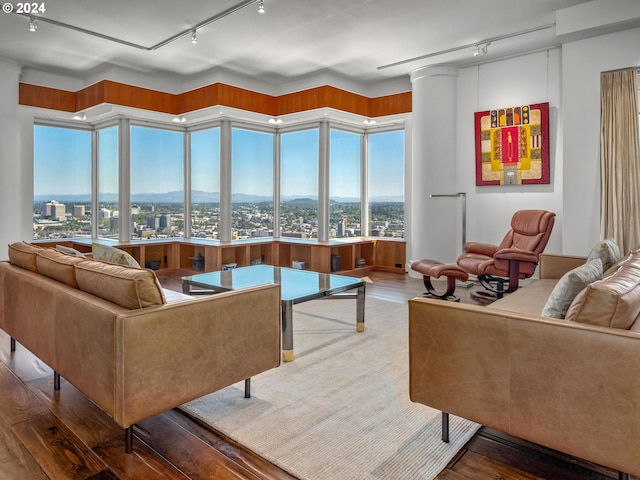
<point x="55" y="210"/>
<point x="78" y="211"/>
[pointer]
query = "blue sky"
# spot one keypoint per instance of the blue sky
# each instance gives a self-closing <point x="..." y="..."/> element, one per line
<point x="62" y="162"/>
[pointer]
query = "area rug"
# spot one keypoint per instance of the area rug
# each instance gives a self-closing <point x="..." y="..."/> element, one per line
<point x="341" y="409"/>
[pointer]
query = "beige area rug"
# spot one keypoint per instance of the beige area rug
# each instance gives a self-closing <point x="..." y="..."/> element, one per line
<point x="341" y="409"/>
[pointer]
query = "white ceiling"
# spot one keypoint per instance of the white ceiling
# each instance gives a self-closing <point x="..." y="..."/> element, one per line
<point x="293" y="39"/>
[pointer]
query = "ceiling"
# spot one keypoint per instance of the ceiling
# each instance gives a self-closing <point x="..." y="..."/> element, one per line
<point x="293" y="39"/>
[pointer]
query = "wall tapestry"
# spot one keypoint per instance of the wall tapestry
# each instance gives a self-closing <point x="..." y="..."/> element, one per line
<point x="512" y="145"/>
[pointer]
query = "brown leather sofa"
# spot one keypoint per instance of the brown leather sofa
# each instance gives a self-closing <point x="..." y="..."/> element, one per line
<point x="569" y="384"/>
<point x="108" y="330"/>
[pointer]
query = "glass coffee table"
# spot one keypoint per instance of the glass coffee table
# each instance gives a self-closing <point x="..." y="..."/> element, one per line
<point x="296" y="286"/>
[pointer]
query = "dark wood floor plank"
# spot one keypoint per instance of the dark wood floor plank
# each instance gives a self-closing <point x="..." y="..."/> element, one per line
<point x="249" y="460"/>
<point x="476" y="466"/>
<point x="143" y="463"/>
<point x="16" y="461"/>
<point x="189" y="453"/>
<point x="542" y="454"/>
<point x="528" y="459"/>
<point x="17" y="404"/>
<point x="92" y="425"/>
<point x="451" y="475"/>
<point x="57" y="450"/>
<point x="24" y="364"/>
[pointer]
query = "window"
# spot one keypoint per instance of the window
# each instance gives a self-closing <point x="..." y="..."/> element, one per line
<point x="205" y="183"/>
<point x="157" y="183"/>
<point x="345" y="202"/>
<point x="61" y="182"/>
<point x="386" y="184"/>
<point x="299" y="184"/>
<point x="251" y="184"/>
<point x="108" y="191"/>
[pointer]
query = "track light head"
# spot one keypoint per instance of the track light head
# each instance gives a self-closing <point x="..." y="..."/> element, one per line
<point x="261" y="6"/>
<point x="33" y="25"/>
<point x="194" y="37"/>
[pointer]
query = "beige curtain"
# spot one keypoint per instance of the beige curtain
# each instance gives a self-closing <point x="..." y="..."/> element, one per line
<point x="620" y="159"/>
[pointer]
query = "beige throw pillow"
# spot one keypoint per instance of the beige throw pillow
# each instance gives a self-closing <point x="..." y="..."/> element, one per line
<point x="105" y="253"/>
<point x="607" y="251"/>
<point x="569" y="285"/>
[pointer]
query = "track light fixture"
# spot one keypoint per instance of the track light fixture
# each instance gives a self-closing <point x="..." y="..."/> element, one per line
<point x="480" y="49"/>
<point x="261" y="6"/>
<point x="194" y="37"/>
<point x="33" y="25"/>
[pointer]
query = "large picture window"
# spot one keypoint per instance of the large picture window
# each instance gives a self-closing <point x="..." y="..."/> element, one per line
<point x="344" y="190"/>
<point x="252" y="184"/>
<point x="299" y="184"/>
<point x="205" y="183"/>
<point x="157" y="183"/>
<point x="155" y="190"/>
<point x="61" y="182"/>
<point x="386" y="184"/>
<point x="108" y="191"/>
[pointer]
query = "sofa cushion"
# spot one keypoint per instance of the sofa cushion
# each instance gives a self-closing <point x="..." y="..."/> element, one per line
<point x="109" y="254"/>
<point x="607" y="251"/>
<point x="58" y="266"/>
<point x="569" y="285"/>
<point x="128" y="287"/>
<point x="613" y="301"/>
<point x="23" y="255"/>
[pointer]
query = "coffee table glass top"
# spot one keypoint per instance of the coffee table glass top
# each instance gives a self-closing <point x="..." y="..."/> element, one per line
<point x="295" y="285"/>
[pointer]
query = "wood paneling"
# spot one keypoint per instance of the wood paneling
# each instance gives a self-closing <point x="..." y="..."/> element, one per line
<point x="391" y="104"/>
<point x="109" y="92"/>
<point x="138" y="97"/>
<point x="45" y="97"/>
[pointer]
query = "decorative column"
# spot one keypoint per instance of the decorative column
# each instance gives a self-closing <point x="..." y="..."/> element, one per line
<point x="434" y="221"/>
<point x="16" y="162"/>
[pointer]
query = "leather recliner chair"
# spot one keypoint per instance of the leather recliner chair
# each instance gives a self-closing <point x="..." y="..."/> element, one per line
<point x="514" y="259"/>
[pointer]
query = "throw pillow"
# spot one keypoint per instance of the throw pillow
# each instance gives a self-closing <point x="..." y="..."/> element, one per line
<point x="607" y="251"/>
<point x="569" y="285"/>
<point x="109" y="254"/>
<point x="70" y="251"/>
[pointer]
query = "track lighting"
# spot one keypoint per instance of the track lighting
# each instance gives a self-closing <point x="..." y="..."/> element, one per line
<point x="260" y="6"/>
<point x="369" y="122"/>
<point x="480" y="49"/>
<point x="194" y="37"/>
<point x="33" y="25"/>
<point x="276" y="121"/>
<point x="180" y="119"/>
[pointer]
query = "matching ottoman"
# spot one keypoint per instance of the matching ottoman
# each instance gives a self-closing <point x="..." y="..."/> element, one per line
<point x="436" y="269"/>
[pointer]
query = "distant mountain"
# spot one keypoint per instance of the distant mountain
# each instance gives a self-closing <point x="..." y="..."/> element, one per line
<point x="198" y="196"/>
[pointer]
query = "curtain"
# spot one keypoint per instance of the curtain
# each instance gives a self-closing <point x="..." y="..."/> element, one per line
<point x="620" y="159"/>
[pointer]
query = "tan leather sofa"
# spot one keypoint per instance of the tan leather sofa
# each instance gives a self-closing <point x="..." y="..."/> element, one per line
<point x="143" y="358"/>
<point x="572" y="385"/>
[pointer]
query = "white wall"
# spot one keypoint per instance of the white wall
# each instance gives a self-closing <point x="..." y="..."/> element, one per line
<point x="533" y="78"/>
<point x="583" y="62"/>
<point x="16" y="168"/>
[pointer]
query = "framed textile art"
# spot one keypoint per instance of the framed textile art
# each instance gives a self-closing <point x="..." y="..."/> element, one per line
<point x="512" y="145"/>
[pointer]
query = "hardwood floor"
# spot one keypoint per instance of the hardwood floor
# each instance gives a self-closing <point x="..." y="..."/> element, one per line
<point x="48" y="434"/>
